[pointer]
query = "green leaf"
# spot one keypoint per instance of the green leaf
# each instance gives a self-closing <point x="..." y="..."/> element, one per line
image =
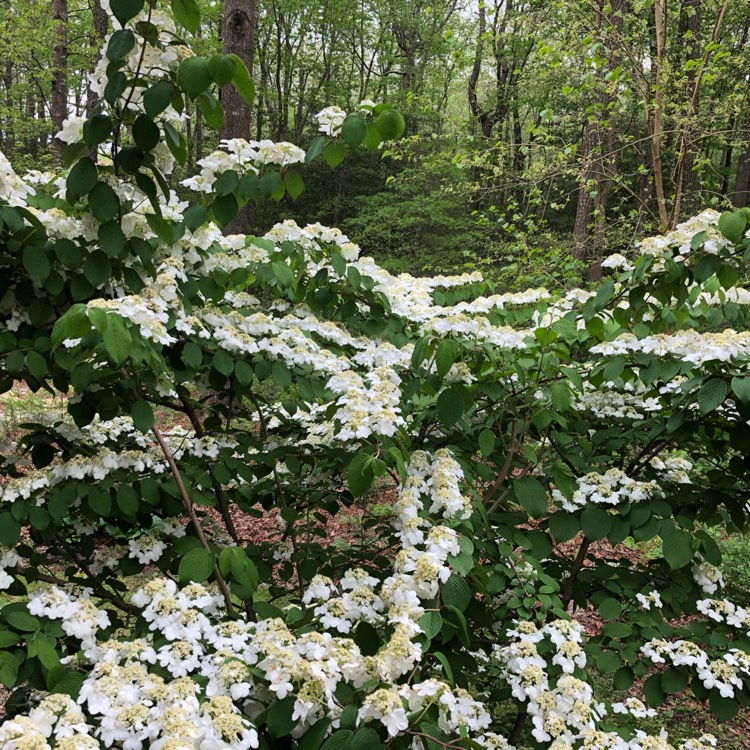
<point x="390" y="124"/>
<point x="193" y="76"/>
<point x="124" y="10"/>
<point x="353" y="130"/>
<point x="595" y="523"/>
<point x="450" y="406"/>
<point x="732" y="225"/>
<point x="314" y="736"/>
<point x="431" y="623"/>
<point x="146" y="133"/>
<point x="722" y="708"/>
<point x="117" y="339"/>
<point x="486" y="442"/>
<point x="192" y="355"/>
<point x="373" y="138"/>
<point x="712" y="394"/>
<point x="224" y="209"/>
<point x="221" y="69"/>
<point x="130" y="159"/>
<point x="674" y="680"/>
<point x="339" y="740"/>
<point x="20" y="620"/>
<point x="608" y="662"/>
<point x="360" y="475"/>
<point x="36" y="364"/>
<point x="334" y="153"/>
<point x="187" y="14"/>
<point x="223" y="363"/>
<point x="115" y="88"/>
<point x="741" y="387"/>
<point x="10" y="530"/>
<point x="212" y="110"/>
<point x="158" y="98"/>
<point x="8" y="669"/>
<point x="563" y="526"/>
<point x="610" y="609"/>
<point x="242" y="81"/>
<point x="97" y="130"/>
<point x="196" y="566"/>
<point x="36" y="262"/>
<point x="366" y="738"/>
<point x="446" y="355"/>
<point x="294" y="185"/>
<point x="142" y="415"/>
<point x="70" y="684"/>
<point x="623" y="679"/>
<point x="532" y="495"/>
<point x="560" y="396"/>
<point x="677" y="545"/>
<point x="82" y="179"/>
<point x="279" y="717"/>
<point x="226" y="183"/>
<point x="315" y="149"/>
<point x="97" y="269"/>
<point x="111" y="238"/>
<point x="120" y="44"/>
<point x="283" y="273"/>
<point x="104" y="205"/>
<point x="456" y="593"/>
<point x="243" y="570"/>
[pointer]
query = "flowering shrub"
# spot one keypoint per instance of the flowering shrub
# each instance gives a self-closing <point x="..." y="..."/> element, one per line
<point x="210" y="375"/>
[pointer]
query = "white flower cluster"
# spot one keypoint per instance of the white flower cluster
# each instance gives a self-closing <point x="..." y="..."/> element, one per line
<point x="330" y="120"/>
<point x="57" y="718"/>
<point x="681" y="238"/>
<point x="81" y="618"/>
<point x="247" y="666"/>
<point x="607" y="401"/>
<point x="611" y="488"/>
<point x="650" y="600"/>
<point x="689" y="345"/>
<point x="708" y="577"/>
<point x="8" y="559"/>
<point x="13" y="190"/>
<point x="563" y="710"/>
<point x="726" y="674"/>
<point x="674" y="469"/>
<point x="243" y="157"/>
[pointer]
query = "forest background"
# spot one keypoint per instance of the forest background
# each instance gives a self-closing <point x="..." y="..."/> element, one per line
<point x="541" y="136"/>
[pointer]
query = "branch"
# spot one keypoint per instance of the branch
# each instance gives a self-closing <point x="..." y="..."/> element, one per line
<point x="190" y="508"/>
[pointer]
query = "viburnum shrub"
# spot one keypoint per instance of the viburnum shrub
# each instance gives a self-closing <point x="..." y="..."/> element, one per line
<point x="209" y="378"/>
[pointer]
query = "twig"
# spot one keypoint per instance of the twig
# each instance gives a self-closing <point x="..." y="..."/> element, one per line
<point x="190" y="508"/>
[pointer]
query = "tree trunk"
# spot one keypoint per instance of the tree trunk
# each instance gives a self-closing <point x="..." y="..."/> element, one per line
<point x="99" y="31"/>
<point x="687" y="182"/>
<point x="238" y="36"/>
<point x="59" y="98"/>
<point x="741" y="195"/>
<point x="597" y="148"/>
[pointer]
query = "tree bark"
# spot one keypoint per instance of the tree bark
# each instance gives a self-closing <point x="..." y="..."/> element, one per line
<point x="59" y="98"/>
<point x="238" y="36"/>
<point x="687" y="182"/>
<point x="98" y="32"/>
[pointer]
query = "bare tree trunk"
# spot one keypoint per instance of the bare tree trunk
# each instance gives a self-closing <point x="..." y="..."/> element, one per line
<point x="59" y="98"/>
<point x="238" y="35"/>
<point x="741" y="195"/>
<point x="597" y="149"/>
<point x="687" y="187"/>
<point x="99" y="30"/>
